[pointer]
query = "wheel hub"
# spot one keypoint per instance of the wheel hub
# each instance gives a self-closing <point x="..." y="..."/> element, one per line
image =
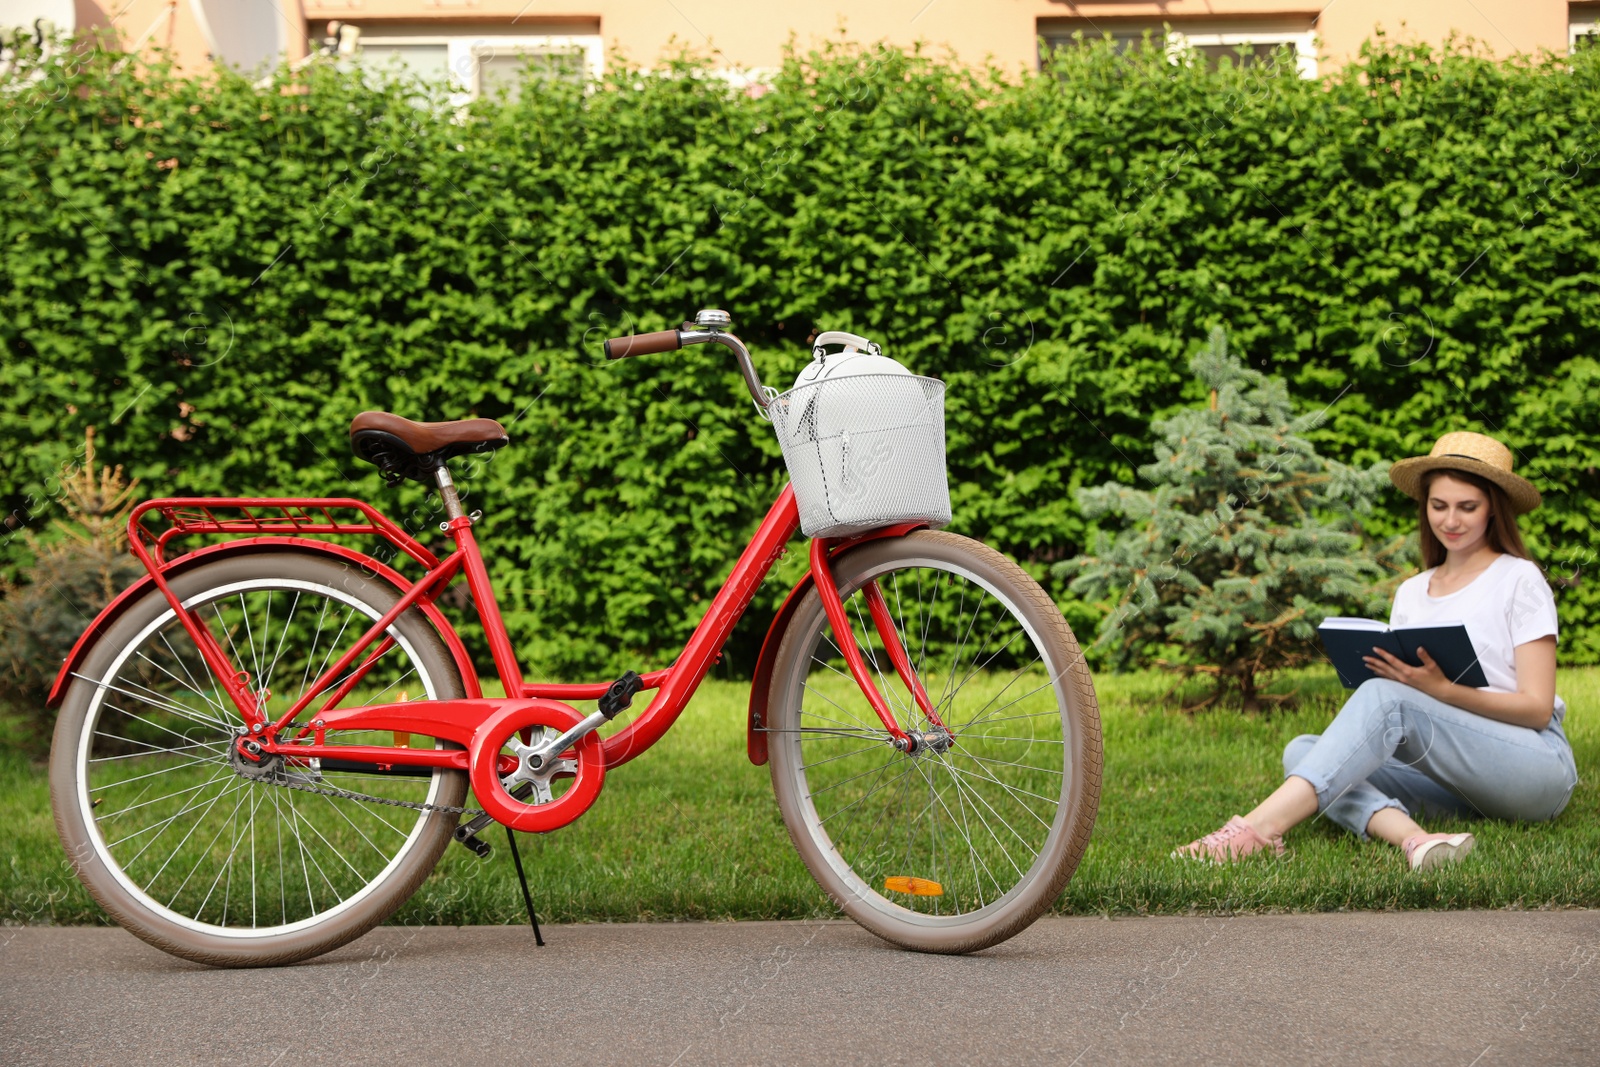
<point x="935" y="740"/>
<point x="250" y="761"/>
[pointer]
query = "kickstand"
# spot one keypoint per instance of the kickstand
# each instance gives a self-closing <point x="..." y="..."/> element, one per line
<point x="527" y="898"/>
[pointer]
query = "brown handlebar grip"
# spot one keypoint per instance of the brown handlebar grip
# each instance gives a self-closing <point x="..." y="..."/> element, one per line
<point x="643" y="344"/>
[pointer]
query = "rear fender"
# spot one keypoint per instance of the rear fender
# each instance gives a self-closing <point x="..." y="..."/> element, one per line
<point x="190" y="560"/>
<point x="756" y="737"/>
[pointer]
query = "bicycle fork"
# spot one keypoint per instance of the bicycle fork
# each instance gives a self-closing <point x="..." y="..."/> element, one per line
<point x="883" y="622"/>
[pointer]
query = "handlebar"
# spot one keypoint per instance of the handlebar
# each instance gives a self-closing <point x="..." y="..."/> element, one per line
<point x="644" y="344"/>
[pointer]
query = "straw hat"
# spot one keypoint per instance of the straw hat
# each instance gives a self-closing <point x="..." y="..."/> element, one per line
<point x="1473" y="453"/>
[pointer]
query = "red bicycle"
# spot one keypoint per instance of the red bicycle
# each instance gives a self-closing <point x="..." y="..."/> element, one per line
<point x="264" y="745"/>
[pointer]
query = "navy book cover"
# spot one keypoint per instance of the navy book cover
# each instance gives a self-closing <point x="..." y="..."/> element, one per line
<point x="1348" y="640"/>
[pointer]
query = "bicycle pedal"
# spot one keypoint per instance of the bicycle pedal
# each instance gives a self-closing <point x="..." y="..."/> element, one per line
<point x="467" y="832"/>
<point x="478" y="845"/>
<point x="620" y="695"/>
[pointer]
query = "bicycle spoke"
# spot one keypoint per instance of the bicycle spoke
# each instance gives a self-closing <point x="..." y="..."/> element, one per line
<point x="974" y="854"/>
<point x="973" y="673"/>
<point x="875" y="789"/>
<point x="149" y="749"/>
<point x="242" y="794"/>
<point x="163" y="704"/>
<point x="277" y="655"/>
<point x="842" y="755"/>
<point x="858" y="721"/>
<point x="850" y="732"/>
<point x="835" y="785"/>
<point x="1045" y="685"/>
<point x="250" y="639"/>
<point x="220" y="720"/>
<point x="229" y="789"/>
<point x="316" y="639"/>
<point x="227" y="631"/>
<point x="220" y="776"/>
<point x="1006" y="763"/>
<point x="143" y="777"/>
<point x="976" y="798"/>
<point x="193" y="686"/>
<point x="1013" y="791"/>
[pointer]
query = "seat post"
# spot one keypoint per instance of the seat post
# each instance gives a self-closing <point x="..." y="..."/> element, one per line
<point x="447" y="491"/>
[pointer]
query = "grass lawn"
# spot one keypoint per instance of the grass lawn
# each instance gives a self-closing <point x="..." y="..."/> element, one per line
<point x="690" y="830"/>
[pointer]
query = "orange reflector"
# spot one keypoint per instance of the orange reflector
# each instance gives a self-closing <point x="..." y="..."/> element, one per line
<point x="402" y="740"/>
<point x="917" y="887"/>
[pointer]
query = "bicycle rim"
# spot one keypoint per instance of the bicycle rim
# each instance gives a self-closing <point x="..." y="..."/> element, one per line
<point x="195" y="853"/>
<point x="966" y="840"/>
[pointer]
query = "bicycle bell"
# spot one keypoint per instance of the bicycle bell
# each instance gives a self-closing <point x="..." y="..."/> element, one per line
<point x="712" y="319"/>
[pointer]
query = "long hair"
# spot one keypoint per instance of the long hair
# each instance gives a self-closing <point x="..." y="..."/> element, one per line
<point x="1502" y="535"/>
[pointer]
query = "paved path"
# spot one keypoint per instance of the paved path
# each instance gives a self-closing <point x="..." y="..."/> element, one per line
<point x="1468" y="989"/>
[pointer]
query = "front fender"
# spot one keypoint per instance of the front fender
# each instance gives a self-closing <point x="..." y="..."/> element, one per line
<point x="129" y="596"/>
<point x="756" y="736"/>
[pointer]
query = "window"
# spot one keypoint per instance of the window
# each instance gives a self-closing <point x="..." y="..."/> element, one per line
<point x="1582" y="34"/>
<point x="1246" y="49"/>
<point x="474" y="66"/>
<point x="1210" y="43"/>
<point x="427" y="60"/>
<point x="486" y="65"/>
<point x="1127" y="41"/>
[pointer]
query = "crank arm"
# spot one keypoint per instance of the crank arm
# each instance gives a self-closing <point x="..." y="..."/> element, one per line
<point x="467" y="832"/>
<point x="615" y="700"/>
<point x="549" y="749"/>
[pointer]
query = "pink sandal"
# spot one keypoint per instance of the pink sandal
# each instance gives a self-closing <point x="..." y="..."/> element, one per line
<point x="1235" y="840"/>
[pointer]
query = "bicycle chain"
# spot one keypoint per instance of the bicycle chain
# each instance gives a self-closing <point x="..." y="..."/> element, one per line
<point x="350" y="794"/>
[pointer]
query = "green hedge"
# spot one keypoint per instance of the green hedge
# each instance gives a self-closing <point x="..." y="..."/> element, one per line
<point x="218" y="277"/>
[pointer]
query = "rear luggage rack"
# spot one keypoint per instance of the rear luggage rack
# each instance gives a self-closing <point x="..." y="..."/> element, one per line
<point x="251" y="517"/>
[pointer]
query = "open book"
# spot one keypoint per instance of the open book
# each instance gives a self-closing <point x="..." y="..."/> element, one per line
<point x="1348" y="640"/>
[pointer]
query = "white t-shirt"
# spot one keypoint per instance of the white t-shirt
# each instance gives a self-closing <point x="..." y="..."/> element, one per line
<point x="1509" y="604"/>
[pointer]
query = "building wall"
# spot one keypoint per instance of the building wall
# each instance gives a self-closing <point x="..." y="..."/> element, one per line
<point x="748" y="35"/>
<point x="176" y="27"/>
<point x="752" y="35"/>
<point x="149" y="24"/>
<point x="1505" y="26"/>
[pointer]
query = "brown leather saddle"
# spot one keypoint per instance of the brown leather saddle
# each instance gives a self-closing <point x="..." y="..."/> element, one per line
<point x="404" y="449"/>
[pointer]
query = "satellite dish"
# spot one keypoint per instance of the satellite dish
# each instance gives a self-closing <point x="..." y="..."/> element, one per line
<point x="248" y="34"/>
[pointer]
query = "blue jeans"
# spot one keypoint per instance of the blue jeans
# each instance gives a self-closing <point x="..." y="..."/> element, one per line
<point x="1392" y="746"/>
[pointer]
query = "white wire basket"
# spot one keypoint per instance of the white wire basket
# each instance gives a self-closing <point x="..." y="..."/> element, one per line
<point x="864" y="451"/>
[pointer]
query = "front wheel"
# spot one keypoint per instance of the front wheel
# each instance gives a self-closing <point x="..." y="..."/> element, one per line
<point x="968" y="838"/>
<point x="211" y="860"/>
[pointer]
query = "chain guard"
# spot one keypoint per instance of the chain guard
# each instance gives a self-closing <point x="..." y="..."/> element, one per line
<point x="547" y="812"/>
<point x="272" y="770"/>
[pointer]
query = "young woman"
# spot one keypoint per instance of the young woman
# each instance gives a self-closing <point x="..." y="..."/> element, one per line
<point x="1410" y="741"/>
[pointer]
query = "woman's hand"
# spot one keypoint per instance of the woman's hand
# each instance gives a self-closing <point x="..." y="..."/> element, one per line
<point x="1427" y="678"/>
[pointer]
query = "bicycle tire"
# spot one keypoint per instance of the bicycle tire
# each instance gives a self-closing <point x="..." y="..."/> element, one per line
<point x="143" y="717"/>
<point x="830" y="757"/>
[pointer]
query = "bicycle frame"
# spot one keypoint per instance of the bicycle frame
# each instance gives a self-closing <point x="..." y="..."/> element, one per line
<point x="458" y="720"/>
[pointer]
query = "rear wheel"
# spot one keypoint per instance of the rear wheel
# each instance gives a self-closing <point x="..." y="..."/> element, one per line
<point x="970" y="837"/>
<point x="244" y="869"/>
